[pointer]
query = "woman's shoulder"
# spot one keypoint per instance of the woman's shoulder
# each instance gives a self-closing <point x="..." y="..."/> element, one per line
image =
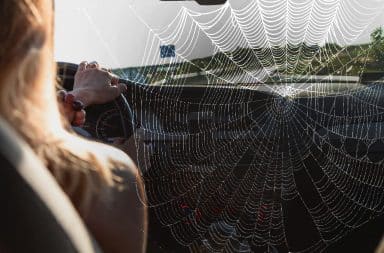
<point x="104" y="154"/>
<point x="114" y="159"/>
<point x="109" y="163"/>
<point x="118" y="219"/>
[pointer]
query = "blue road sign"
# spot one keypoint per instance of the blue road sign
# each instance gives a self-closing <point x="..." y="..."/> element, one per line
<point x="167" y="51"/>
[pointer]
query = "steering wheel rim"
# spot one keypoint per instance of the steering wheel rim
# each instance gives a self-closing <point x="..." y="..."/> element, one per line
<point x="66" y="71"/>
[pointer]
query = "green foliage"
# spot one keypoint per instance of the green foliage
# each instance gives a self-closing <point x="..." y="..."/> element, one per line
<point x="295" y="60"/>
<point x="377" y="38"/>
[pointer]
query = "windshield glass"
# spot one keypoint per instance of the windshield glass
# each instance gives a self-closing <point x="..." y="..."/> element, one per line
<point x="241" y="42"/>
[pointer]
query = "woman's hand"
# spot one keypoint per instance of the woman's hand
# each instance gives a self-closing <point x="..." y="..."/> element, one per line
<point x="72" y="109"/>
<point x="94" y="85"/>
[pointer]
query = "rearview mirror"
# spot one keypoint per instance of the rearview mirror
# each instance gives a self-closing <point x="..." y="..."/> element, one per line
<point x="211" y="2"/>
<point x="202" y="2"/>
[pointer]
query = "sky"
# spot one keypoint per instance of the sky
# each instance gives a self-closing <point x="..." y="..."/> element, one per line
<point x="120" y="33"/>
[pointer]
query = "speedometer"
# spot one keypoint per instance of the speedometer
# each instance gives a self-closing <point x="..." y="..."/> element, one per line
<point x="109" y="126"/>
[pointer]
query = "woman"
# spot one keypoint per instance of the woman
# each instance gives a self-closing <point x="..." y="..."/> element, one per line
<point x="102" y="182"/>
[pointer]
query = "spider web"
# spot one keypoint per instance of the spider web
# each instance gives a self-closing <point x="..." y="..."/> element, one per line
<point x="296" y="165"/>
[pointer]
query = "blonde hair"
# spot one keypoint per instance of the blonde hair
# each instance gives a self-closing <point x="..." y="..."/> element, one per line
<point x="28" y="102"/>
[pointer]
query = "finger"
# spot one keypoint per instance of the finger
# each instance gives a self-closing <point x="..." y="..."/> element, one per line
<point x="78" y="123"/>
<point x="68" y="113"/>
<point x="67" y="108"/>
<point x="61" y="95"/>
<point x="115" y="80"/>
<point x="105" y="69"/>
<point x="93" y="65"/>
<point x="122" y="87"/>
<point x="82" y="66"/>
<point x="108" y="75"/>
<point x="79" y="118"/>
<point x="69" y="99"/>
<point x="77" y="105"/>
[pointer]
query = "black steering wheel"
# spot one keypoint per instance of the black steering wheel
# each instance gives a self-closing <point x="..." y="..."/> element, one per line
<point x="121" y="106"/>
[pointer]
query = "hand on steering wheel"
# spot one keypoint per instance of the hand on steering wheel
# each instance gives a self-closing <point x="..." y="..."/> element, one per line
<point x="94" y="85"/>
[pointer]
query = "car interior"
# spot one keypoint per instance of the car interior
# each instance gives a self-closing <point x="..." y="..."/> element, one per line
<point x="291" y="160"/>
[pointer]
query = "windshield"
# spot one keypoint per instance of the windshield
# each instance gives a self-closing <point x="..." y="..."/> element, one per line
<point x="258" y="123"/>
<point x="246" y="42"/>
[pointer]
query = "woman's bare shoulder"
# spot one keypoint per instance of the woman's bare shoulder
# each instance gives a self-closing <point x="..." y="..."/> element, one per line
<point x="119" y="219"/>
<point x="105" y="155"/>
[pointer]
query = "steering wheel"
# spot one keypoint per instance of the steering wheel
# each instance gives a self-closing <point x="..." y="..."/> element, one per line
<point x="66" y="74"/>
